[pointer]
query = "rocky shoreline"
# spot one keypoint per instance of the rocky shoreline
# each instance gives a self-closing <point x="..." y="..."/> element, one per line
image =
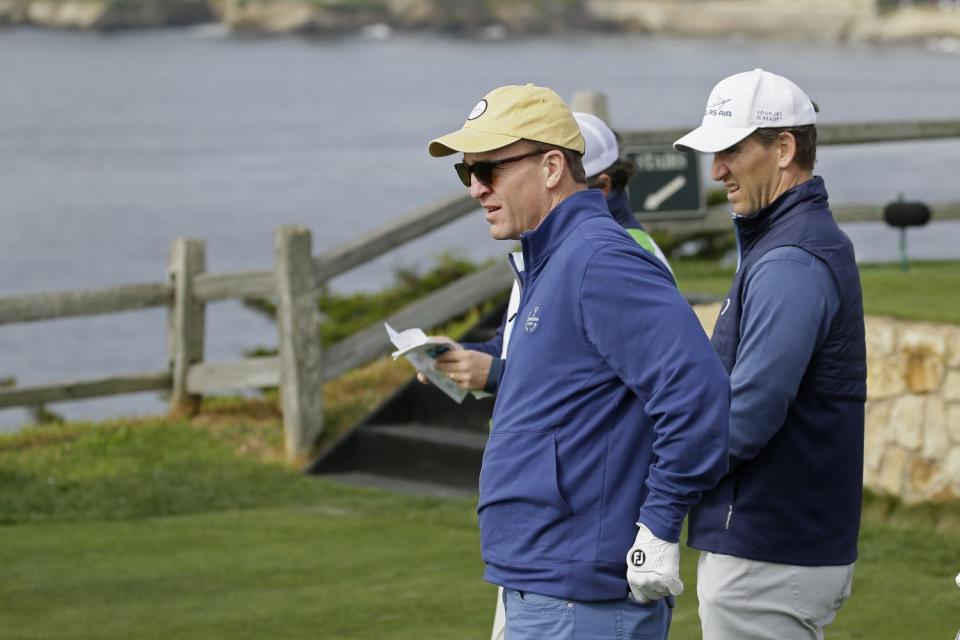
<point x="849" y="20"/>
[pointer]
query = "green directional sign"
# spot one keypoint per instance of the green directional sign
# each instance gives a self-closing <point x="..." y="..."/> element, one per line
<point x="665" y="183"/>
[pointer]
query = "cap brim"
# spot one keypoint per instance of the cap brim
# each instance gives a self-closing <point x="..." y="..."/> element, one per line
<point x="468" y="141"/>
<point x="712" y="139"/>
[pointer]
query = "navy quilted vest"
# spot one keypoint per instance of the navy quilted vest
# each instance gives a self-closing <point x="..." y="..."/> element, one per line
<point x="797" y="502"/>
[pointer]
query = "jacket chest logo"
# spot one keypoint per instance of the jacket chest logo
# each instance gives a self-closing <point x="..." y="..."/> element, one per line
<point x="533" y="321"/>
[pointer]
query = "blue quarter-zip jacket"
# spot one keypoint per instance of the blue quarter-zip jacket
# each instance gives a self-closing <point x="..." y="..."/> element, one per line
<point x="794" y="492"/>
<point x="618" y="202"/>
<point x="612" y="410"/>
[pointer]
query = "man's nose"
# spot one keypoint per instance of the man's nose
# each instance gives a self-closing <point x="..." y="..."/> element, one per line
<point x="718" y="170"/>
<point x="477" y="188"/>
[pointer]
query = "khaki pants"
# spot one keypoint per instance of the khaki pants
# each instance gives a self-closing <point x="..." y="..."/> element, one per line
<point x="499" y="618"/>
<point x="744" y="599"/>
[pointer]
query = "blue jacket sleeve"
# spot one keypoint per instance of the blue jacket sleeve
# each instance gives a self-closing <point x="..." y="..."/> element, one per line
<point x="647" y="333"/>
<point x="789" y="301"/>
<point x="493" y="346"/>
<point x="494" y="376"/>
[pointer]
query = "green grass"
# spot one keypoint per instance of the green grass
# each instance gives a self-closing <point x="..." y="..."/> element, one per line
<point x="188" y="530"/>
<point x="928" y="291"/>
<point x="700" y="276"/>
<point x="343" y="564"/>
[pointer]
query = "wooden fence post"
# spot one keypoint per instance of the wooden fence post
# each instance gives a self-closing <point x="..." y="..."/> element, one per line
<point x="185" y="321"/>
<point x="298" y="327"/>
<point x="591" y="102"/>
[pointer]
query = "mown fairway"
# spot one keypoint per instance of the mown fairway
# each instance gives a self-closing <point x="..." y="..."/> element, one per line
<point x="156" y="530"/>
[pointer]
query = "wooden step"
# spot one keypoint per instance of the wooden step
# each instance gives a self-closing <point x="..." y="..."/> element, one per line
<point x="412" y="451"/>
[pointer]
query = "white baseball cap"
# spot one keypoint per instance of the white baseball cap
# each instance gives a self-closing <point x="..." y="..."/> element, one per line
<point x="601" y="149"/>
<point x="744" y="102"/>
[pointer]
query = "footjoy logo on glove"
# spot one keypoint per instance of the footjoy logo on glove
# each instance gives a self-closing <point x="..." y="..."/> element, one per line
<point x="638" y="557"/>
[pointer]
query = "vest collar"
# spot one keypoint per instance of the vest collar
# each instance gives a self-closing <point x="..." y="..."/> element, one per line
<point x="751" y="228"/>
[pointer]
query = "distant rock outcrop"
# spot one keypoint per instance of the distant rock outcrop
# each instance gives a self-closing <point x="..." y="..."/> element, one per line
<point x="451" y="16"/>
<point x="105" y="15"/>
<point x="806" y="20"/>
<point x="908" y="25"/>
<point x="824" y="20"/>
<point x="297" y="16"/>
<point x="13" y="11"/>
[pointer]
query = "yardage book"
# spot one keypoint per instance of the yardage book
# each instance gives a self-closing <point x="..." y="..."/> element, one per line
<point x="421" y="350"/>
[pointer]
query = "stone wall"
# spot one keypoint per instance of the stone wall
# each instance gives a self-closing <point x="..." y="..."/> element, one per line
<point x="912" y="447"/>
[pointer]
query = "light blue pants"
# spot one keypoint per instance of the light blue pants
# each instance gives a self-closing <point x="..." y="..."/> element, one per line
<point x="535" y="617"/>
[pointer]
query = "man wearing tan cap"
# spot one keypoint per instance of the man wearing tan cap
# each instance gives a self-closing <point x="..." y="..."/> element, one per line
<point x="778" y="535"/>
<point x="611" y="416"/>
<point x="478" y="365"/>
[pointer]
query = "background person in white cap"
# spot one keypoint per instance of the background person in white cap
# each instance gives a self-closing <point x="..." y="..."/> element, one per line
<point x="611" y="414"/>
<point x="479" y="365"/>
<point x="610" y="173"/>
<point x="778" y="536"/>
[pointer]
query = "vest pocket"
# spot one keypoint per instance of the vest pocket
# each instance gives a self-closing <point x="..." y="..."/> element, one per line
<point x="523" y="514"/>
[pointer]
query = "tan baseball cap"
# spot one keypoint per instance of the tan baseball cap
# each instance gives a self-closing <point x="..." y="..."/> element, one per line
<point x="512" y="113"/>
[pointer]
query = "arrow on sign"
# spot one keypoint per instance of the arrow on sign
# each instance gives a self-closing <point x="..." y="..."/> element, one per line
<point x="657" y="198"/>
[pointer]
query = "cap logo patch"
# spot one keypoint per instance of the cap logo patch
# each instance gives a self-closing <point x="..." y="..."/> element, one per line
<point x="715" y="108"/>
<point x="478" y="110"/>
<point x="769" y="116"/>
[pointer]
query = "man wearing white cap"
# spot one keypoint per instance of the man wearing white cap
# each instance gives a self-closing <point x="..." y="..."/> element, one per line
<point x="611" y="415"/>
<point x="778" y="535"/>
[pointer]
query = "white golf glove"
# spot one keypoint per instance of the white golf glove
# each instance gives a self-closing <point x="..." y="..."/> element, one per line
<point x="653" y="567"/>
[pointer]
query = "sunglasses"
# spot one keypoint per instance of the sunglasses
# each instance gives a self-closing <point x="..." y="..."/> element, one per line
<point x="483" y="169"/>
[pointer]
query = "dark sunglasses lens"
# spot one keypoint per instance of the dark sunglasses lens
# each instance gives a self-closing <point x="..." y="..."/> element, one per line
<point x="463" y="172"/>
<point x="483" y="171"/>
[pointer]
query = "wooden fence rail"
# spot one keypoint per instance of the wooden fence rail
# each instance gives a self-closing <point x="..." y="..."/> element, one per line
<point x="64" y="304"/>
<point x="301" y="367"/>
<point x="362" y="347"/>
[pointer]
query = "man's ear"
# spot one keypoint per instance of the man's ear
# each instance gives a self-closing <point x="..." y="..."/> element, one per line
<point x="554" y="166"/>
<point x="604" y="183"/>
<point x="786" y="149"/>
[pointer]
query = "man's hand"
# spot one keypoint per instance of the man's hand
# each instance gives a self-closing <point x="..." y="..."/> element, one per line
<point x="469" y="369"/>
<point x="653" y="567"/>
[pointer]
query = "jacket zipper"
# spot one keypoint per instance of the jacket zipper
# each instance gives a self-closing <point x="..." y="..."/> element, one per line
<point x="733" y="500"/>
